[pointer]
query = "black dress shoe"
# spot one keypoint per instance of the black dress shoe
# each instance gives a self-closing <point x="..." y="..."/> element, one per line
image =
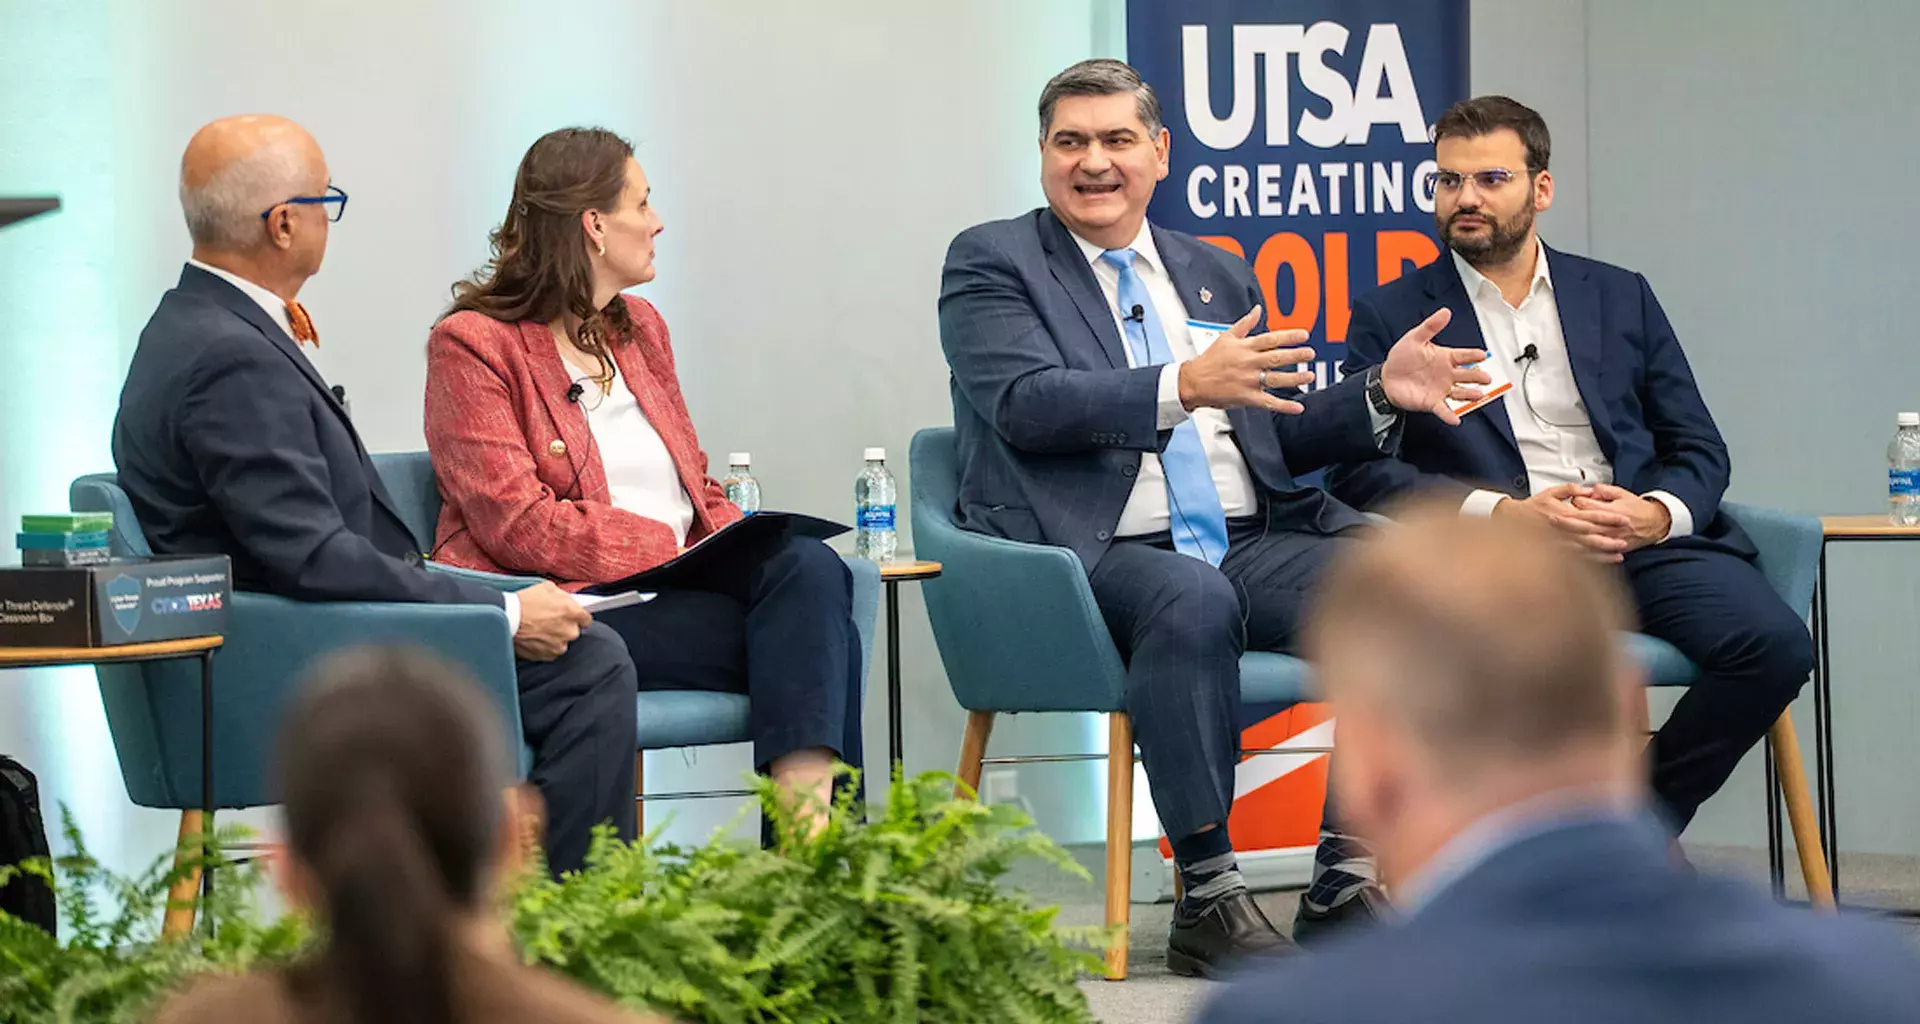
<point x="1360" y="910"/>
<point x="1230" y="930"/>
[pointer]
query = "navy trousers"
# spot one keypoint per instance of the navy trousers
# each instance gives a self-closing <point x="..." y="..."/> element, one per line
<point x="775" y="624"/>
<point x="577" y="714"/>
<point x="1754" y="655"/>
<point x="1181" y="626"/>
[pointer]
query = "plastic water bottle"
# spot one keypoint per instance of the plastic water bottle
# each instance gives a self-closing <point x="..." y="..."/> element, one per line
<point x="1903" y="471"/>
<point x="874" y="499"/>
<point x="742" y="489"/>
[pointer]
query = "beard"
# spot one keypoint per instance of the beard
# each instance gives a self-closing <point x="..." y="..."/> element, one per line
<point x="1501" y="243"/>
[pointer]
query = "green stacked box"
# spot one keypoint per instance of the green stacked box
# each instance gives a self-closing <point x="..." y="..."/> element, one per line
<point x="65" y="540"/>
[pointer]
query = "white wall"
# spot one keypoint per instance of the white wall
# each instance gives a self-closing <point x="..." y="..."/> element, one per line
<point x="1755" y="159"/>
<point x="812" y="162"/>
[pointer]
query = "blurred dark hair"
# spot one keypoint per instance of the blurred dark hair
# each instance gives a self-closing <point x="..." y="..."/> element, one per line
<point x="1484" y="115"/>
<point x="539" y="268"/>
<point x="391" y="767"/>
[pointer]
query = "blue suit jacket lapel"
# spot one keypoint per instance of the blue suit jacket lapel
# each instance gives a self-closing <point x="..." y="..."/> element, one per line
<point x="1069" y="266"/>
<point x="193" y="279"/>
<point x="1463" y="331"/>
<point x="1579" y="302"/>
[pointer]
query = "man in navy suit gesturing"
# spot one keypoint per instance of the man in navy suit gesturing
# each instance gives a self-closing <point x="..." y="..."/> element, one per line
<point x="1111" y="395"/>
<point x="1603" y="435"/>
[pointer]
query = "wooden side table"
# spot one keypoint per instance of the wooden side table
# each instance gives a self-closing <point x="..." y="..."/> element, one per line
<point x="1851" y="529"/>
<point x="201" y="647"/>
<point x="892" y="574"/>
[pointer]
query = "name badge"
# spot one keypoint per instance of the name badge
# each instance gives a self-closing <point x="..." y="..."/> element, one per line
<point x="1203" y="334"/>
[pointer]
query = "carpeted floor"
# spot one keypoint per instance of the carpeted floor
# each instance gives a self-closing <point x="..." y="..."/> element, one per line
<point x="1153" y="995"/>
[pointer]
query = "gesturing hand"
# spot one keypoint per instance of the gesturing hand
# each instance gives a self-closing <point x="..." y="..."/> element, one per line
<point x="1419" y="376"/>
<point x="1238" y="370"/>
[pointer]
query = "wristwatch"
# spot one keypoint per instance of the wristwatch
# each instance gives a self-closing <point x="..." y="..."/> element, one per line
<point x="1377" y="394"/>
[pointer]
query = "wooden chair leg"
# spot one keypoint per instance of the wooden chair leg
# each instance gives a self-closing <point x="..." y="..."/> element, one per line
<point x="1119" y="839"/>
<point x="1806" y="832"/>
<point x="640" y="790"/>
<point x="178" y="921"/>
<point x="973" y="747"/>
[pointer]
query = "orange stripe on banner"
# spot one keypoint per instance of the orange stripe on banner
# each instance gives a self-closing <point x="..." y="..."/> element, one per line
<point x="1274" y="730"/>
<point x="1284" y="813"/>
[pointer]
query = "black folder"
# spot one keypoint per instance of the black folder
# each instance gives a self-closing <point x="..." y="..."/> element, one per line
<point x="758" y="528"/>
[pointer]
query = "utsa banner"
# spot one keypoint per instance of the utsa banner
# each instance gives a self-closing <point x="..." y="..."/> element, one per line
<point x="1300" y="143"/>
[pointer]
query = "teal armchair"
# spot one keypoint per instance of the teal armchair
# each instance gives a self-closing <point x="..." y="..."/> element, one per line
<point x="1018" y="631"/>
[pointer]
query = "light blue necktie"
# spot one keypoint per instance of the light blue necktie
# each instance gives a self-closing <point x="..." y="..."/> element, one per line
<point x="1199" y="524"/>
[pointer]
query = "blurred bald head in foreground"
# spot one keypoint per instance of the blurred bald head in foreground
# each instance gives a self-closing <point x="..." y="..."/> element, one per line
<point x="1472" y="665"/>
<point x="237" y="180"/>
<point x="1489" y="749"/>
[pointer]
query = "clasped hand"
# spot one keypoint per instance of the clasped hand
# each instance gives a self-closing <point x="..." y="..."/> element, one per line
<point x="1242" y="369"/>
<point x="1605" y="521"/>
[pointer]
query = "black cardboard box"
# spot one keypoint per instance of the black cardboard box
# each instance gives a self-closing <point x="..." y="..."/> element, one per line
<point x="126" y="601"/>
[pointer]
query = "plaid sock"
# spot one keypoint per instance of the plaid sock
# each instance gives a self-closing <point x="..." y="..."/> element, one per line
<point x="1341" y="868"/>
<point x="1208" y="870"/>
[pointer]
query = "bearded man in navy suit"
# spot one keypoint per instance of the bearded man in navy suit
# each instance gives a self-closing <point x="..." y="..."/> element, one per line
<point x="1603" y="435"/>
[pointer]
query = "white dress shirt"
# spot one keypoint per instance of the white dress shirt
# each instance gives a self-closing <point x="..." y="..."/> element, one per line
<point x="641" y="476"/>
<point x="1146" y="509"/>
<point x="276" y="307"/>
<point x="1550" y="422"/>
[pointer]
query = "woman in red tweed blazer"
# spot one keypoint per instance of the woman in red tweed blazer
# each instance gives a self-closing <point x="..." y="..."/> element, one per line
<point x="518" y="374"/>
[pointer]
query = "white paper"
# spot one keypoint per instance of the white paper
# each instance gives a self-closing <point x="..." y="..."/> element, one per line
<point x="1489" y="392"/>
<point x="597" y="603"/>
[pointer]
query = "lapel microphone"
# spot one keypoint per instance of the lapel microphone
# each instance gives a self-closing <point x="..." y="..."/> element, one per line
<point x="1532" y="351"/>
<point x="576" y="389"/>
<point x="1139" y="314"/>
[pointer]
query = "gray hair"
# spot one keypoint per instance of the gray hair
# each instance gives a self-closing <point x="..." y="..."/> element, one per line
<point x="1100" y="77"/>
<point x="224" y="212"/>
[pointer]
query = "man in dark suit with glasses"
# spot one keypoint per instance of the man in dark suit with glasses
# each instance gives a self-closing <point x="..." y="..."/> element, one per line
<point x="1602" y="435"/>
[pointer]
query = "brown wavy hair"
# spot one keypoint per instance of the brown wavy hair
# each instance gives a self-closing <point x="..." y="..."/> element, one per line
<point x="539" y="268"/>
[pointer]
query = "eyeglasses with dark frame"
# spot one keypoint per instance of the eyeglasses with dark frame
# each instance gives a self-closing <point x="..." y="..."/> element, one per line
<point x="1449" y="182"/>
<point x="335" y="198"/>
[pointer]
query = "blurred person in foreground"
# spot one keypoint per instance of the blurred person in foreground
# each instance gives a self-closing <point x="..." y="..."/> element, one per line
<point x="392" y="769"/>
<point x="1497" y="771"/>
<point x="228" y="441"/>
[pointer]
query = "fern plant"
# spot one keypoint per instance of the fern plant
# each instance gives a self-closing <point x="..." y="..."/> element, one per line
<point x="113" y="965"/>
<point x="900" y="919"/>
